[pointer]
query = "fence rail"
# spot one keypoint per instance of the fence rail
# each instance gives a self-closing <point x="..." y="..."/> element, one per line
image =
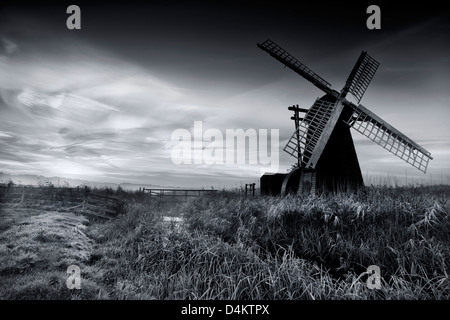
<point x="90" y="203"/>
<point x="176" y="195"/>
<point x="101" y="204"/>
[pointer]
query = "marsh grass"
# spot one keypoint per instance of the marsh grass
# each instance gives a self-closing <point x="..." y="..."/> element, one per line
<point x="234" y="247"/>
<point x="402" y="230"/>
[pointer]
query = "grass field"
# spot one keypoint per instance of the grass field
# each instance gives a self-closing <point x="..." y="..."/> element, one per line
<point x="230" y="246"/>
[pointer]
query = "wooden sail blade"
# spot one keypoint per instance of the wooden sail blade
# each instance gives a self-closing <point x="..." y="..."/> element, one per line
<point x="382" y="133"/>
<point x="313" y="132"/>
<point x="292" y="63"/>
<point x="360" y="76"/>
<point x="338" y="107"/>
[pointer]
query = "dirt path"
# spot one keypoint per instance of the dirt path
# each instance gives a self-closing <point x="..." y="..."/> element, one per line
<point x="40" y="244"/>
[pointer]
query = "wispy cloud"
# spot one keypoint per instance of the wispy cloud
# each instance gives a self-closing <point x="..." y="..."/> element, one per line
<point x="96" y="115"/>
<point x="8" y="46"/>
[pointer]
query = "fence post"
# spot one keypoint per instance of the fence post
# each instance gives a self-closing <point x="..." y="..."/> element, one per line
<point x="23" y="195"/>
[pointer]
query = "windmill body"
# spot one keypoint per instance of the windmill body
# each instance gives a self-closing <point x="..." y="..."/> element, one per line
<point x="338" y="166"/>
<point x="322" y="141"/>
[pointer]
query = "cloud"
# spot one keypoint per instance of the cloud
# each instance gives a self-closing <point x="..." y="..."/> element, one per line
<point x="7" y="46"/>
<point x="91" y="114"/>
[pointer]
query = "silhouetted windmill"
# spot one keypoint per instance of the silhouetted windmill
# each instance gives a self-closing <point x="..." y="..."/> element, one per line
<point x="322" y="142"/>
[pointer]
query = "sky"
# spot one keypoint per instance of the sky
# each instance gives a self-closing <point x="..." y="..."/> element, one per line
<point x="117" y="100"/>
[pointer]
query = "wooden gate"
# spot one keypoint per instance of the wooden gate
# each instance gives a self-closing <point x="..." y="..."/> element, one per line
<point x="176" y="195"/>
<point x="101" y="205"/>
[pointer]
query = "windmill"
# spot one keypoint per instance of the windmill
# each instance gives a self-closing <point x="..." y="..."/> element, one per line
<point x="322" y="141"/>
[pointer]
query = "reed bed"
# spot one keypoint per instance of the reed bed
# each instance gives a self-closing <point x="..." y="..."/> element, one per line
<point x="233" y="247"/>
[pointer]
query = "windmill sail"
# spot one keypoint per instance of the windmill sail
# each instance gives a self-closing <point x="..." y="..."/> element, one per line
<point x="360" y="76"/>
<point x="313" y="132"/>
<point x="382" y="133"/>
<point x="289" y="61"/>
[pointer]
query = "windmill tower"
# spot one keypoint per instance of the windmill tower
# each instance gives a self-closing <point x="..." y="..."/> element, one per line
<point x="322" y="141"/>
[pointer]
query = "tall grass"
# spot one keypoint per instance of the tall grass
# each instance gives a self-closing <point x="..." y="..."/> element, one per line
<point x="235" y="247"/>
<point x="150" y="261"/>
<point x="405" y="231"/>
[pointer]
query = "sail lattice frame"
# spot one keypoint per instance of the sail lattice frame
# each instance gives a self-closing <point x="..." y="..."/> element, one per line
<point x="305" y="138"/>
<point x="373" y="127"/>
<point x="362" y="75"/>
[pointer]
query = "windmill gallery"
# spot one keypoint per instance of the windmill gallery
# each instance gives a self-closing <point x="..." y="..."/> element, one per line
<point x="322" y="142"/>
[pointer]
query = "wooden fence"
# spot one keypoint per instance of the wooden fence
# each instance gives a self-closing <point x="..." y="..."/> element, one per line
<point x="102" y="205"/>
<point x="176" y="195"/>
<point x="74" y="198"/>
